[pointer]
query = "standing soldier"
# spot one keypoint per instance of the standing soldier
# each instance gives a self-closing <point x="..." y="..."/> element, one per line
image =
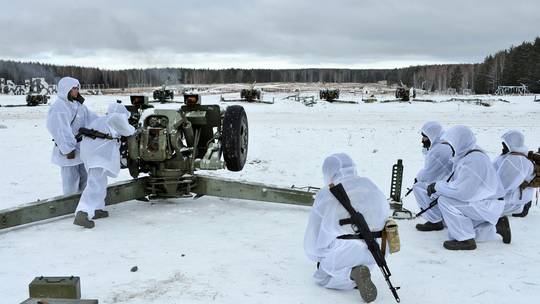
<point x="66" y="115"/>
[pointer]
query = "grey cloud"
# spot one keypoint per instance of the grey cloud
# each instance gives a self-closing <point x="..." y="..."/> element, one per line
<point x="316" y="31"/>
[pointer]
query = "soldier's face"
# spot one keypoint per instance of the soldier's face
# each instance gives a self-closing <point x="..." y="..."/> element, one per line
<point x="426" y="143"/>
<point x="74" y="92"/>
<point x="505" y="148"/>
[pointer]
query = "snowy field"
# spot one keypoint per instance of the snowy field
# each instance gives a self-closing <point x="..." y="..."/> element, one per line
<point x="232" y="251"/>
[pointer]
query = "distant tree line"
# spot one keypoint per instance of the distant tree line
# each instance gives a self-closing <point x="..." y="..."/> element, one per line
<point x="514" y="66"/>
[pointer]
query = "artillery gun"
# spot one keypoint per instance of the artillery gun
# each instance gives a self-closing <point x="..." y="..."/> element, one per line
<point x="163" y="95"/>
<point x="34" y="99"/>
<point x="329" y="94"/>
<point x="170" y="146"/>
<point x="403" y="93"/>
<point x="250" y="95"/>
<point x="332" y="95"/>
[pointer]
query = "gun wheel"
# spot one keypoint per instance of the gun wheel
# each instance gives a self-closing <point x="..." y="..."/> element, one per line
<point x="235" y="138"/>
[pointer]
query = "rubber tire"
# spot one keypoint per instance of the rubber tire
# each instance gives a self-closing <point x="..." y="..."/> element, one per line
<point x="235" y="137"/>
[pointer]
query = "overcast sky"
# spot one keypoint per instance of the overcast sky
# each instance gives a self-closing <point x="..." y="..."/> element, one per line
<point x="263" y="33"/>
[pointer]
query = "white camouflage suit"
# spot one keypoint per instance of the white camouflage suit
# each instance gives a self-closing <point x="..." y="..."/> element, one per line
<point x="63" y="122"/>
<point x="101" y="157"/>
<point x="337" y="257"/>
<point x="514" y="170"/>
<point x="437" y="166"/>
<point x="469" y="201"/>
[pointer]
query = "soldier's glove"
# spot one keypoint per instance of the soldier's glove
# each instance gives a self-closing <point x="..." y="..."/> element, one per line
<point x="431" y="189"/>
<point x="71" y="155"/>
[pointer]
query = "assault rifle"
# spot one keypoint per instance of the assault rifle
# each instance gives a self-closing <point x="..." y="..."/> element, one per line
<point x="93" y="134"/>
<point x="361" y="227"/>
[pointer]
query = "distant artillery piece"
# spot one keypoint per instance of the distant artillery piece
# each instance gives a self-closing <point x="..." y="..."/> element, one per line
<point x="34" y="99"/>
<point x="329" y="94"/>
<point x="163" y="95"/>
<point x="332" y="95"/>
<point x="250" y="95"/>
<point x="35" y="96"/>
<point x="404" y="94"/>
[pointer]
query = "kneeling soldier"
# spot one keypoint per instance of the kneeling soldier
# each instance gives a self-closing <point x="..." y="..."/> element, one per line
<point x="469" y="200"/>
<point x="515" y="169"/>
<point x="437" y="166"/>
<point x="344" y="263"/>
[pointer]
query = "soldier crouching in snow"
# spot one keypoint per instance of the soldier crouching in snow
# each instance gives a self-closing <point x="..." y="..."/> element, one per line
<point x="344" y="263"/>
<point x="470" y="201"/>
<point x="514" y="169"/>
<point x="100" y="153"/>
<point x="437" y="166"/>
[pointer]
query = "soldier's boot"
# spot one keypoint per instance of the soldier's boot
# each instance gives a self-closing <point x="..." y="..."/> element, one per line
<point x="429" y="226"/>
<point x="503" y="228"/>
<point x="362" y="277"/>
<point x="469" y="244"/>
<point x="81" y="219"/>
<point x="525" y="211"/>
<point x="100" y="214"/>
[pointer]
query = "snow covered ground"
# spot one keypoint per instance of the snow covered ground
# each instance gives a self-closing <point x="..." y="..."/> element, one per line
<point x="233" y="251"/>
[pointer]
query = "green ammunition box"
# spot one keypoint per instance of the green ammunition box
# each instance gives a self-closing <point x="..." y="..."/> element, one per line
<point x="58" y="301"/>
<point x="56" y="287"/>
